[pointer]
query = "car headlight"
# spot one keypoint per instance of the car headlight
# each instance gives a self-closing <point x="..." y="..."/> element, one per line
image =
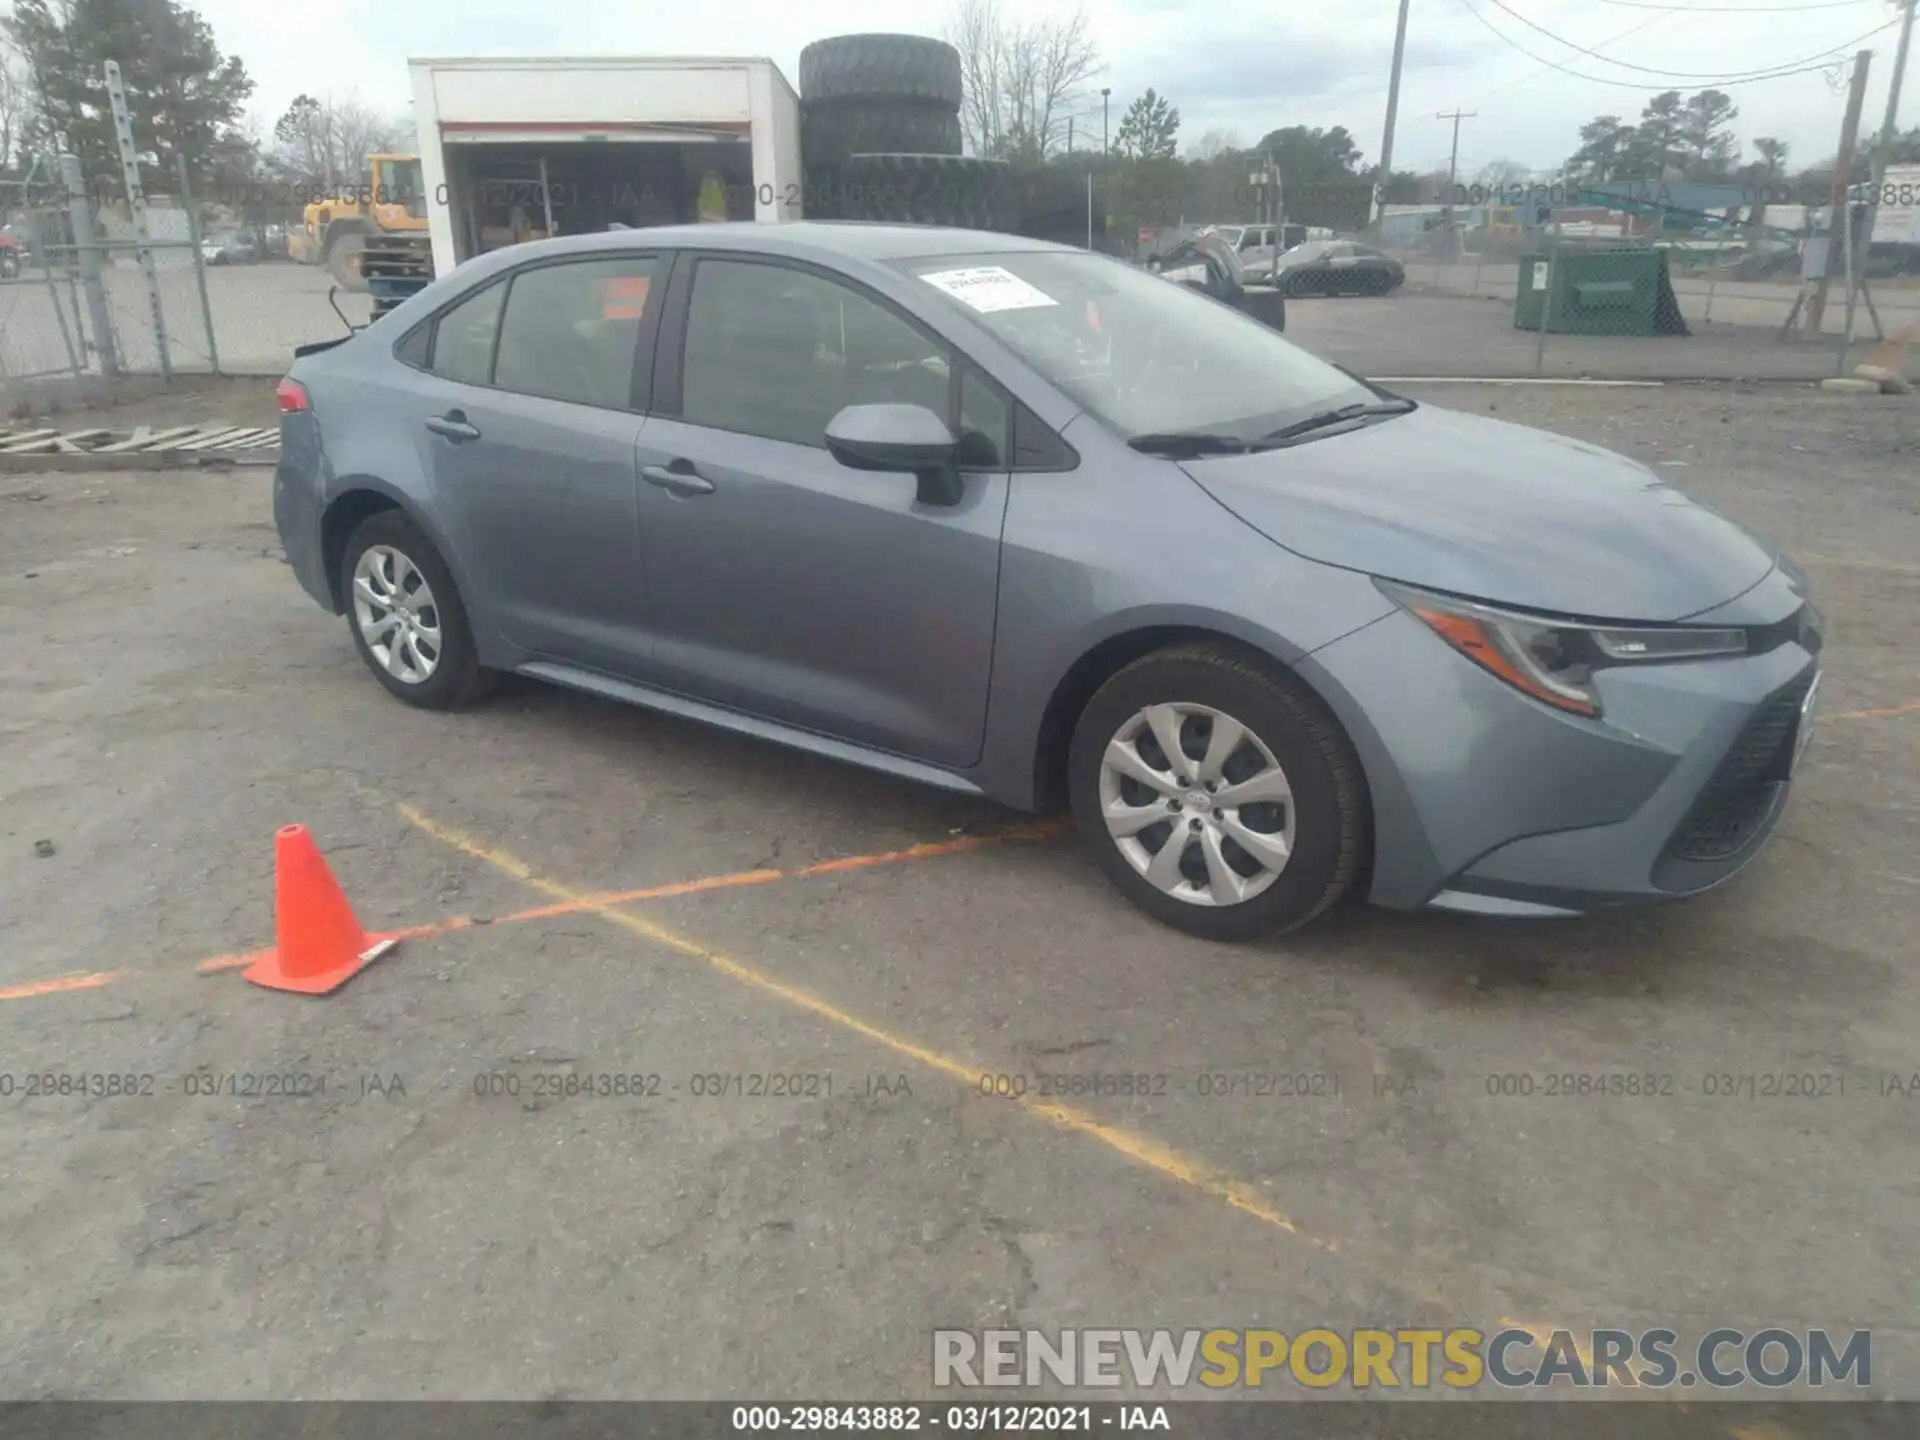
<point x="1553" y="660"/>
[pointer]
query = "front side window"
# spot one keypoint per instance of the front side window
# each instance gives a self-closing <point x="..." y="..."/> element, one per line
<point x="1137" y="353"/>
<point x="778" y="352"/>
<point x="463" y="338"/>
<point x="572" y="331"/>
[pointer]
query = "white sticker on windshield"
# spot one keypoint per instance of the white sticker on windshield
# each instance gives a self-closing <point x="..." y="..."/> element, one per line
<point x="987" y="288"/>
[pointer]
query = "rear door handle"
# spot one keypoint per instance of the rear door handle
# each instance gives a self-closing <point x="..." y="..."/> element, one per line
<point x="677" y="478"/>
<point x="454" y="426"/>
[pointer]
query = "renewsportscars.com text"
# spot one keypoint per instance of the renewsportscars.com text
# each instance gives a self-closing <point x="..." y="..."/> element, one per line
<point x="1511" y="1358"/>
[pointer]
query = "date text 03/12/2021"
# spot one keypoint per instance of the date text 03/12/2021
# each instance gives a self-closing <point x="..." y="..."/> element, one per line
<point x="1047" y="1419"/>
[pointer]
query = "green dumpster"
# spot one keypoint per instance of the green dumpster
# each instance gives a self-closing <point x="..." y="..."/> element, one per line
<point x="1598" y="292"/>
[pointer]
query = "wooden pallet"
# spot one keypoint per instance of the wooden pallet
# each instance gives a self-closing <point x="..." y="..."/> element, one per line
<point x="143" y="439"/>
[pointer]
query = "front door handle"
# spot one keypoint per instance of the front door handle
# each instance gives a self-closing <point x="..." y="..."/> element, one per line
<point x="677" y="478"/>
<point x="454" y="426"/>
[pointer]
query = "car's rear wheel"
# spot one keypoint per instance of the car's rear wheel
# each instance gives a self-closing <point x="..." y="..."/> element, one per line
<point x="1218" y="794"/>
<point x="407" y="620"/>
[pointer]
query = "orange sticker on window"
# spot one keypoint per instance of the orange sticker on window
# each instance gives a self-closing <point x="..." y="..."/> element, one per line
<point x="625" y="297"/>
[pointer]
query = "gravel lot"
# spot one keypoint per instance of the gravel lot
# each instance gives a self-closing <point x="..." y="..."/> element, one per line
<point x="171" y="698"/>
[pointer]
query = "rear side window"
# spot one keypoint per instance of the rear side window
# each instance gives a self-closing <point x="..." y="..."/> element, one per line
<point x="572" y="331"/>
<point x="463" y="338"/>
<point x="415" y="349"/>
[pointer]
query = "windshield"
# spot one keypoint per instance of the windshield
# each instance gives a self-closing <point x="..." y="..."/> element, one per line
<point x="1139" y="354"/>
<point x="400" y="182"/>
<point x="1312" y="250"/>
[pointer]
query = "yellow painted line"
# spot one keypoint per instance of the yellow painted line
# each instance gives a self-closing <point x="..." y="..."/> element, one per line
<point x="60" y="985"/>
<point x="1868" y="563"/>
<point x="1138" y="1148"/>
<point x="583" y="904"/>
<point x="1907" y="709"/>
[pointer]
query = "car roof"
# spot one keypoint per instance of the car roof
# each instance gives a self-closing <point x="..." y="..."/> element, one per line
<point x="825" y="240"/>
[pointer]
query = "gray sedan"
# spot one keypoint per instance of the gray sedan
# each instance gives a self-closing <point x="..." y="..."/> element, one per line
<point x="1021" y="521"/>
<point x="1337" y="267"/>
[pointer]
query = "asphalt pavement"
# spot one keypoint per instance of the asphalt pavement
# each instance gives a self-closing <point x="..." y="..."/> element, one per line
<point x="695" y="1078"/>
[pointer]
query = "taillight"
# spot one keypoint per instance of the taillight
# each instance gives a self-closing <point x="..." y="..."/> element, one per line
<point x="292" y="396"/>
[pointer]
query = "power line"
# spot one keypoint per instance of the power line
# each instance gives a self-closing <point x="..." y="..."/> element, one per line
<point x="1676" y="74"/>
<point x="1734" y="9"/>
<point x="1825" y="65"/>
<point x="1536" y="73"/>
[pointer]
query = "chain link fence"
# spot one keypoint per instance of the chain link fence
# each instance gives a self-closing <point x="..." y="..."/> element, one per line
<point x="1615" y="294"/>
<point x="1416" y="291"/>
<point x="89" y="291"/>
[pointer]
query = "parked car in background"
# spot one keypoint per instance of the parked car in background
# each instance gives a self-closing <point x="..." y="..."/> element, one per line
<point x="234" y="247"/>
<point x="1207" y="262"/>
<point x="13" y="254"/>
<point x="1338" y="267"/>
<point x="1022" y="522"/>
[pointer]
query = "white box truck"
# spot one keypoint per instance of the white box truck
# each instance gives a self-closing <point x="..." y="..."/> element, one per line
<point x="515" y="149"/>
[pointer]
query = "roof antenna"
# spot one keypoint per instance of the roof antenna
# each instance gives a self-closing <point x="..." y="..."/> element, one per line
<point x="352" y="329"/>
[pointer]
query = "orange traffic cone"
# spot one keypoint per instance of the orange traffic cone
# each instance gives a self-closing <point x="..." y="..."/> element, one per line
<point x="319" y="946"/>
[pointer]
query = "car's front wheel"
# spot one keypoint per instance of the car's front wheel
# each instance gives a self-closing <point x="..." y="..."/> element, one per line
<point x="407" y="619"/>
<point x="1218" y="794"/>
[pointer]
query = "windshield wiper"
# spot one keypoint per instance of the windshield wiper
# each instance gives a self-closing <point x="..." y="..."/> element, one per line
<point x="1188" y="442"/>
<point x="1360" y="410"/>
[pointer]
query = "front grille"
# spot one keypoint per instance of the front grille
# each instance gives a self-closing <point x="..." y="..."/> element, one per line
<point x="1742" y="790"/>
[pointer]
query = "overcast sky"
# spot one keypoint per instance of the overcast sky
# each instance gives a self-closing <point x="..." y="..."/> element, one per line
<point x="1227" y="64"/>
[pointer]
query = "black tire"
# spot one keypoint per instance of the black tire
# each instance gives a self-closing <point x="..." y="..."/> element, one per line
<point x="954" y="190"/>
<point x="832" y="131"/>
<point x="881" y="67"/>
<point x="343" y="261"/>
<point x="1329" y="796"/>
<point x="458" y="678"/>
<point x="1051" y="204"/>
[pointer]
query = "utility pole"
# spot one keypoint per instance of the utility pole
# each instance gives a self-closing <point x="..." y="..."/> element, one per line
<point x="1840" y="211"/>
<point x="137" y="211"/>
<point x="87" y="254"/>
<point x="1889" y="133"/>
<point x="1378" y="207"/>
<point x="1106" y="147"/>
<point x="1453" y="168"/>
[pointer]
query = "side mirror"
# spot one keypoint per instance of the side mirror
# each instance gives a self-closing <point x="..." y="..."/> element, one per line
<point x="901" y="439"/>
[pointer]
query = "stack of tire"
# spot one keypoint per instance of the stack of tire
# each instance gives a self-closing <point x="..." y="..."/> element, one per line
<point x="880" y="137"/>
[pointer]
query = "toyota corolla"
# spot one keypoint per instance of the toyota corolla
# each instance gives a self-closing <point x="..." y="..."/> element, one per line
<point x="1021" y="521"/>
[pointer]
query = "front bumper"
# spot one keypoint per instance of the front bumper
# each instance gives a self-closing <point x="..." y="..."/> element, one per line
<point x="1488" y="802"/>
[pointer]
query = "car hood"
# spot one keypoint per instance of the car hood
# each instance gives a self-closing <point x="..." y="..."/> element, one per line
<point x="1494" y="512"/>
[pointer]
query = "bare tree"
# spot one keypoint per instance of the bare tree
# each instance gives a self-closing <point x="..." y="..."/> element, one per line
<point x="1215" y="143"/>
<point x="1021" y="80"/>
<point x="1502" y="172"/>
<point x="13" y="107"/>
<point x="325" y="141"/>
